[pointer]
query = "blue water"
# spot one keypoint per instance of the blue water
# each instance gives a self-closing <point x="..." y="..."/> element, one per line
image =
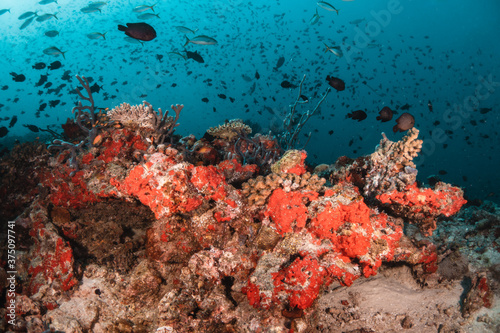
<point x="420" y="51"/>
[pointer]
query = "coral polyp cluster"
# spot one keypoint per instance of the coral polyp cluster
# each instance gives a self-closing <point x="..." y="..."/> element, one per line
<point x="219" y="244"/>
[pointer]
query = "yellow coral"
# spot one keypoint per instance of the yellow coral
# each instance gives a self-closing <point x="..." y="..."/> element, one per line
<point x="230" y="130"/>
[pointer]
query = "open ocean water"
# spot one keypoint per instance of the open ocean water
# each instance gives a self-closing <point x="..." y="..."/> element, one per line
<point x="438" y="60"/>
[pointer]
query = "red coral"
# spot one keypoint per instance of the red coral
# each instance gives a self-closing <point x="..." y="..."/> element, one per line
<point x="301" y="281"/>
<point x="288" y="210"/>
<point x="423" y="205"/>
<point x="209" y="181"/>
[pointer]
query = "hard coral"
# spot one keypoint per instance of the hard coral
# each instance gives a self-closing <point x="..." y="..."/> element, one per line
<point x="291" y="162"/>
<point x="230" y="130"/>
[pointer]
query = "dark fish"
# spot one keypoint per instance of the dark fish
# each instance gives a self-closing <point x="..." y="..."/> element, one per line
<point x="286" y="84"/>
<point x="357" y="115"/>
<point x="330" y="132"/>
<point x="32" y="128"/>
<point x="269" y="109"/>
<point x="406" y="107"/>
<point x="385" y="114"/>
<point x="404" y="123"/>
<point x="443" y="172"/>
<point x="42" y="107"/>
<point x="5" y="87"/>
<point x="195" y="56"/>
<point x="485" y="110"/>
<point x="18" y="77"/>
<point x="222" y="96"/>
<point x="257" y="75"/>
<point x="140" y="31"/>
<point x="280" y="63"/>
<point x="43" y="79"/>
<point x="304" y="98"/>
<point x="231" y="99"/>
<point x="95" y="88"/>
<point x="39" y="65"/>
<point x="336" y="83"/>
<point x="54" y="103"/>
<point x="55" y="65"/>
<point x="48" y="85"/>
<point x="13" y="121"/>
<point x="204" y="99"/>
<point x="429" y="105"/>
<point x="3" y="131"/>
<point x="159" y="57"/>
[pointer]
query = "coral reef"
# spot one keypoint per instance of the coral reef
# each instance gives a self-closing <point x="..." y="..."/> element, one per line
<point x="147" y="235"/>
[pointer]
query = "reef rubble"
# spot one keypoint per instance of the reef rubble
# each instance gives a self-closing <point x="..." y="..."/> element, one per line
<point x="161" y="233"/>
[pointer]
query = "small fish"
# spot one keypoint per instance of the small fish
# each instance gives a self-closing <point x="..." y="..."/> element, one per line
<point x="54" y="51"/>
<point x="46" y="2"/>
<point x="13" y="121"/>
<point x="147" y="16"/>
<point x="406" y="107"/>
<point x="404" y="122"/>
<point x="257" y="75"/>
<point x="357" y="115"/>
<point x="96" y="35"/>
<point x="222" y="96"/>
<point x="43" y="79"/>
<point x="3" y="11"/>
<point x="356" y="22"/>
<point x="3" y="131"/>
<point x="141" y="31"/>
<point x="280" y="63"/>
<point x="95" y="88"/>
<point x="204" y="99"/>
<point x="52" y="33"/>
<point x="89" y="9"/>
<point x="143" y="8"/>
<point x="97" y="4"/>
<point x="334" y="49"/>
<point x="246" y="78"/>
<point x="27" y="15"/>
<point x="18" y="77"/>
<point x="26" y="23"/>
<point x="176" y="55"/>
<point x="54" y="65"/>
<point x="45" y="17"/>
<point x="336" y="83"/>
<point x="54" y="103"/>
<point x="39" y="65"/>
<point x="287" y="84"/>
<point x="195" y="56"/>
<point x="32" y="128"/>
<point x="200" y="40"/>
<point x="429" y="105"/>
<point x="315" y="18"/>
<point x="327" y="6"/>
<point x="185" y="30"/>
<point x="385" y="114"/>
<point x="133" y="41"/>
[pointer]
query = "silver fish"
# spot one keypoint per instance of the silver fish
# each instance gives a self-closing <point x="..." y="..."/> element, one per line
<point x="143" y="8"/>
<point x="45" y="17"/>
<point x="27" y="22"/>
<point x="46" y="2"/>
<point x="97" y="4"/>
<point x="133" y="40"/>
<point x="52" y="33"/>
<point x="26" y="15"/>
<point x="54" y="51"/>
<point x="96" y="35"/>
<point x="185" y="30"/>
<point x="176" y="55"/>
<point x="327" y="6"/>
<point x="147" y="16"/>
<point x="88" y="10"/>
<point x="314" y="19"/>
<point x="335" y="50"/>
<point x="201" y="40"/>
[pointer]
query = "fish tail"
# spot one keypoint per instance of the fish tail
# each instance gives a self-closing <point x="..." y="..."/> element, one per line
<point x="121" y="27"/>
<point x="152" y="7"/>
<point x="64" y="57"/>
<point x="187" y="40"/>
<point x="104" y="35"/>
<point x="55" y="16"/>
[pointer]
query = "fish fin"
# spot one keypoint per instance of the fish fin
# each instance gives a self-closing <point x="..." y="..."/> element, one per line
<point x="55" y="16"/>
<point x="187" y="40"/>
<point x="121" y="27"/>
<point x="104" y="35"/>
<point x="153" y="6"/>
<point x="64" y="57"/>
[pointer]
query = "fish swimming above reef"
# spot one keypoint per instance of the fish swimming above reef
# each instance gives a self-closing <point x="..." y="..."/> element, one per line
<point x="336" y="83"/>
<point x="54" y="65"/>
<point x="185" y="30"/>
<point x="429" y="106"/>
<point x="280" y="63"/>
<point x="140" y="31"/>
<point x="385" y="114"/>
<point x="404" y="123"/>
<point x="315" y="18"/>
<point x="52" y="33"/>
<point x="287" y="84"/>
<point x="143" y="8"/>
<point x="26" y="23"/>
<point x="13" y="121"/>
<point x="357" y="115"/>
<point x="3" y="131"/>
<point x="195" y="56"/>
<point x="46" y="2"/>
<point x="27" y="15"/>
<point x="45" y="17"/>
<point x="90" y="9"/>
<point x="200" y="40"/>
<point x="95" y="88"/>
<point x="39" y="65"/>
<point x="96" y="35"/>
<point x="327" y="6"/>
<point x="18" y="77"/>
<point x="147" y="16"/>
<point x="334" y="49"/>
<point x="3" y="11"/>
<point x="54" y="51"/>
